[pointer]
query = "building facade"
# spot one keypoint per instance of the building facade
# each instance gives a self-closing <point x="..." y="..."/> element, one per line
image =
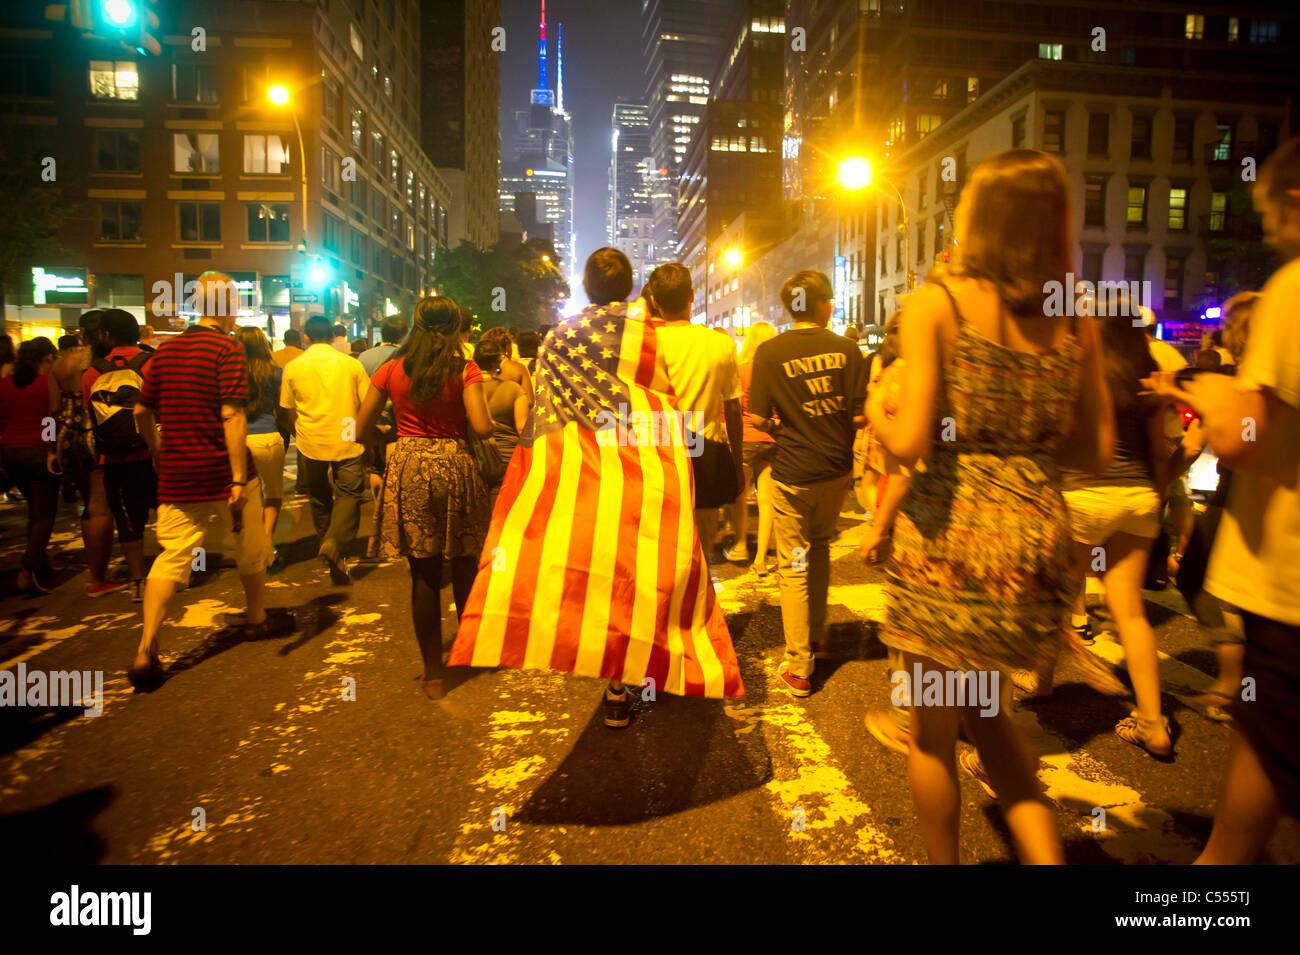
<point x="460" y="77"/>
<point x="1155" y="160"/>
<point x="631" y="225"/>
<point x="176" y="164"/>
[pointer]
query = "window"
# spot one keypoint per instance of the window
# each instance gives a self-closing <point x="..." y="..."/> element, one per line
<point x="268" y="222"/>
<point x="1092" y="265"/>
<point x="1137" y="207"/>
<point x="1178" y="209"/>
<point x="1054" y="131"/>
<point x="940" y="90"/>
<point x="24" y="76"/>
<point x="194" y="83"/>
<point x="357" y="247"/>
<point x="1174" y="268"/>
<point x="358" y="122"/>
<point x="1234" y="29"/>
<point x="927" y="123"/>
<point x="1098" y="134"/>
<point x="1135" y="264"/>
<point x="357" y="46"/>
<point x="196" y="153"/>
<point x="1223" y="143"/>
<point x="921" y="185"/>
<point x="938" y="234"/>
<point x="410" y="188"/>
<point x="329" y="169"/>
<point x="117" y="150"/>
<point x="1018" y="132"/>
<point x="1218" y="211"/>
<point x="972" y="88"/>
<point x="377" y="154"/>
<point x="257" y="77"/>
<point x="199" y="221"/>
<point x="360" y="198"/>
<point x="266" y="154"/>
<point x="331" y="231"/>
<point x="114" y="79"/>
<point x="388" y="87"/>
<point x="119" y="221"/>
<point x="1263" y="31"/>
<point x="1141" y="143"/>
<point x="395" y="168"/>
<point x="920" y="243"/>
<point x="1195" y="28"/>
<point x="1094" y="199"/>
<point x="330" y="100"/>
<point x="900" y="254"/>
<point x="1183" y="138"/>
<point x="1049" y="51"/>
<point x="884" y="264"/>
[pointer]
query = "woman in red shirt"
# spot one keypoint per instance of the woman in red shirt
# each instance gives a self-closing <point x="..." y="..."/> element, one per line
<point x="435" y="503"/>
<point x="24" y="416"/>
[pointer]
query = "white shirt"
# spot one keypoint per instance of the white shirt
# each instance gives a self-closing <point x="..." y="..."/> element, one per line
<point x="702" y="368"/>
<point x="326" y="389"/>
<point x="1255" y="563"/>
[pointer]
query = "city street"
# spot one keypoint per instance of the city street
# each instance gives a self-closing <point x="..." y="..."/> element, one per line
<point x="251" y="752"/>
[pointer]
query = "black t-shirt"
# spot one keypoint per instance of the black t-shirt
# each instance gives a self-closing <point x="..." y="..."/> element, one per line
<point x="816" y="382"/>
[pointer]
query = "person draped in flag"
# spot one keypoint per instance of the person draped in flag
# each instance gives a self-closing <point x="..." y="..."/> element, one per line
<point x="434" y="503"/>
<point x="592" y="565"/>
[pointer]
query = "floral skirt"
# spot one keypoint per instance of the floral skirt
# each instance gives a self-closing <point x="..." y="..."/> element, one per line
<point x="435" y="501"/>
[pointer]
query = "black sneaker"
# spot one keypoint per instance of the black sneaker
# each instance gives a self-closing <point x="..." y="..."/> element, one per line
<point x="1084" y="630"/>
<point x="338" y="568"/>
<point x="618" y="709"/>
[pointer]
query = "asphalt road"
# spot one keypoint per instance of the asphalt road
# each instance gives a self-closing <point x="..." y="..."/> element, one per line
<point x="259" y="742"/>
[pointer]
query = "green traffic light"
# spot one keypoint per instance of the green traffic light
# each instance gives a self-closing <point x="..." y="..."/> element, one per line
<point x="120" y="13"/>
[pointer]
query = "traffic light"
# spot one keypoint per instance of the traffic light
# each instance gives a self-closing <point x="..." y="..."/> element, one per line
<point x="132" y="22"/>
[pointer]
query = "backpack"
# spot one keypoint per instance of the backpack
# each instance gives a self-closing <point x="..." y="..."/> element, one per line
<point x="112" y="405"/>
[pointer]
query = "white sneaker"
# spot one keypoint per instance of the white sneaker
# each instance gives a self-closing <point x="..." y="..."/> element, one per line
<point x="737" y="554"/>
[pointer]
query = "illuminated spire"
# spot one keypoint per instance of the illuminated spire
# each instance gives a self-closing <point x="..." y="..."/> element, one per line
<point x="559" y="67"/>
<point x="542" y="94"/>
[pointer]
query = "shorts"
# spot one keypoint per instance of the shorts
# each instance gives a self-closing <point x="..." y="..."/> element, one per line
<point x="132" y="489"/>
<point x="182" y="528"/>
<point x="1099" y="513"/>
<point x="757" y="455"/>
<point x="1268" y="721"/>
<point x="268" y="458"/>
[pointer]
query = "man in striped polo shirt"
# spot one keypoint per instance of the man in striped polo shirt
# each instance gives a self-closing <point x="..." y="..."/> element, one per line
<point x="192" y="411"/>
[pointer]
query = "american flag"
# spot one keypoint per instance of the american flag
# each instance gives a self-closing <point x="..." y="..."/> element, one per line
<point x="592" y="565"/>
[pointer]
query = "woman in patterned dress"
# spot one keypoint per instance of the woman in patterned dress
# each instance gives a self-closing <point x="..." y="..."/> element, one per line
<point x="997" y="395"/>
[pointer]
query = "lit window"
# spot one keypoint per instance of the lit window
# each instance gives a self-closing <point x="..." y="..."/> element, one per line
<point x="1177" y="210"/>
<point x="1233" y="29"/>
<point x="264" y="154"/>
<point x="195" y="152"/>
<point x="357" y="47"/>
<point x="972" y="88"/>
<point x="1137" y="206"/>
<point x="1195" y="27"/>
<point x="268" y="222"/>
<point x="114" y="79"/>
<point x="1261" y="31"/>
<point x="1218" y="210"/>
<point x="1049" y="51"/>
<point x="940" y="90"/>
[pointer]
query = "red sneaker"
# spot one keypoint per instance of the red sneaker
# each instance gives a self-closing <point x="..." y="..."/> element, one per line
<point x="108" y="587"/>
<point x="797" y="685"/>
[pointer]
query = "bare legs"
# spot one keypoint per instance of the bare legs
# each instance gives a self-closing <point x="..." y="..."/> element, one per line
<point x="932" y="771"/>
<point x="1126" y="567"/>
<point x="97" y="530"/>
<point x="1247" y="813"/>
<point x="271" y="514"/>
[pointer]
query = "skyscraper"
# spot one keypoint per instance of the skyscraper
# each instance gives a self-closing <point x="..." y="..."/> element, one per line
<point x="631" y="225"/>
<point x="683" y="41"/>
<point x="542" y="159"/>
<point x="460" y="80"/>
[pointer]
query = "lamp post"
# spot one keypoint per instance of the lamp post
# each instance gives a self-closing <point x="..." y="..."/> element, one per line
<point x="279" y="96"/>
<point x="736" y="259"/>
<point x="857" y="174"/>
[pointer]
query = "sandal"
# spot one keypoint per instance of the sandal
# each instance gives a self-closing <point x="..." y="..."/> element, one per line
<point x="1133" y="729"/>
<point x="1031" y="684"/>
<point x="1215" y="706"/>
<point x="969" y="760"/>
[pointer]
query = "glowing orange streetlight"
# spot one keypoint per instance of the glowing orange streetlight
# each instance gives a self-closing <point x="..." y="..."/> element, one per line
<point x="856" y="173"/>
<point x="733" y="257"/>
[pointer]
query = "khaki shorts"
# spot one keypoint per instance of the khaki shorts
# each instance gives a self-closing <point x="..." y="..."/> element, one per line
<point x="268" y="458"/>
<point x="182" y="528"/>
<point x="1099" y="513"/>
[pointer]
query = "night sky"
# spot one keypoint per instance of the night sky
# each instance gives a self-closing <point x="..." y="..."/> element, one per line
<point x="602" y="60"/>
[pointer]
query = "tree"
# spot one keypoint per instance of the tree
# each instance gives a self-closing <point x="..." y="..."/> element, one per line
<point x="503" y="285"/>
<point x="34" y="209"/>
<point x="1237" y="251"/>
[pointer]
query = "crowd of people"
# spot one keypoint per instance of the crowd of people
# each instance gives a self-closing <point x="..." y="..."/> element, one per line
<point x="1002" y="456"/>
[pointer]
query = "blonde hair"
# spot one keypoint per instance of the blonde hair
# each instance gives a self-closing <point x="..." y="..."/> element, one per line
<point x="1013" y="225"/>
<point x="758" y="333"/>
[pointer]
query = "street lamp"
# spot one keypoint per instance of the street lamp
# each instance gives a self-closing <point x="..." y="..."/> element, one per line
<point x="735" y="259"/>
<point x="279" y="95"/>
<point x="857" y="174"/>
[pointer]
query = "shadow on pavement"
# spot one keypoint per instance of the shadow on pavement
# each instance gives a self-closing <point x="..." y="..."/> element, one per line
<point x="59" y="833"/>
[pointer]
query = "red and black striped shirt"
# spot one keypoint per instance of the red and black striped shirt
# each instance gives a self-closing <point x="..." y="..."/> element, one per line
<point x="186" y="383"/>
